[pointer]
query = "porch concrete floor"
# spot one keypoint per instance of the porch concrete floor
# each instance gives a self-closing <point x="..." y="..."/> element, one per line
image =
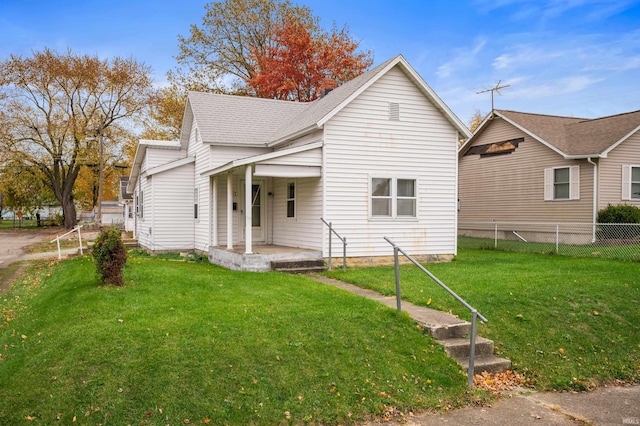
<point x="261" y="257"/>
<point x="266" y="249"/>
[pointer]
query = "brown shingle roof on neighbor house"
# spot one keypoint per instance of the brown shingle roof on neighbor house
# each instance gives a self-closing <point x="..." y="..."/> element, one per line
<point x="577" y="136"/>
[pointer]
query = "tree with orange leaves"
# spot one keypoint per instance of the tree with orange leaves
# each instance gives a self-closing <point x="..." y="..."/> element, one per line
<point x="298" y="64"/>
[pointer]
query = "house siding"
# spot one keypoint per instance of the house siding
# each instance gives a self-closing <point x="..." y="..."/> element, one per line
<point x="362" y="142"/>
<point x="173" y="224"/>
<point x="305" y="229"/>
<point x="610" y="170"/>
<point x="157" y="157"/>
<point x="510" y="187"/>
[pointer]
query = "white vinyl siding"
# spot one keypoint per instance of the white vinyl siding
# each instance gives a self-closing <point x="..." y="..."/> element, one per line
<point x="305" y="229"/>
<point x="562" y="183"/>
<point x="361" y="143"/>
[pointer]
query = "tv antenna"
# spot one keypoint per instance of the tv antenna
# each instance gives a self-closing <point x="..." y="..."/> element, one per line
<point x="494" y="90"/>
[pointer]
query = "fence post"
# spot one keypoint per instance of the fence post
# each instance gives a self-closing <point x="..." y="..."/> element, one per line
<point x="557" y="238"/>
<point x="344" y="254"/>
<point x="59" y="252"/>
<point x="397" y="269"/>
<point x="80" y="240"/>
<point x="330" y="245"/>
<point x="472" y="348"/>
<point x="495" y="236"/>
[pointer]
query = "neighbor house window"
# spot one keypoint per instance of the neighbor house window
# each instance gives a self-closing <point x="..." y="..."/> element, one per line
<point x="562" y="183"/>
<point x="195" y="203"/>
<point x="291" y="199"/>
<point x="393" y="197"/>
<point x="141" y="204"/>
<point x="630" y="182"/>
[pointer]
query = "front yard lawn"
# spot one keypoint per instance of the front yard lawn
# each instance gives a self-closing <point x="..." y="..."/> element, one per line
<point x="566" y="323"/>
<point x="194" y="343"/>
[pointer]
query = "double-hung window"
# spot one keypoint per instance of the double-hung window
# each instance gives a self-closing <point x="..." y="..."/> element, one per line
<point x="630" y="182"/>
<point x="393" y="197"/>
<point x="562" y="183"/>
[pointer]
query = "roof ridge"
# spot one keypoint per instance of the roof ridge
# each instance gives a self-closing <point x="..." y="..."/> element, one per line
<point x="543" y="115"/>
<point x="247" y="97"/>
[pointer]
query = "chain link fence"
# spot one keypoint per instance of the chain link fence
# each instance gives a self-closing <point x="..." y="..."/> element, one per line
<point x="609" y="240"/>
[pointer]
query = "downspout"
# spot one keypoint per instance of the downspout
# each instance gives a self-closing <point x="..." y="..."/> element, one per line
<point x="595" y="198"/>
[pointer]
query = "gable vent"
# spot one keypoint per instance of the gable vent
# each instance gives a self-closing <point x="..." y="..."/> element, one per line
<point x="394" y="111"/>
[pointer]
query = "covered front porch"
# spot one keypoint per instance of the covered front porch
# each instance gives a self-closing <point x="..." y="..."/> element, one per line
<point x="261" y="258"/>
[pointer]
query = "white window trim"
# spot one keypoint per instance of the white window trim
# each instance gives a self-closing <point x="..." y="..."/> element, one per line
<point x="394" y="198"/>
<point x="627" y="182"/>
<point x="574" y="183"/>
<point x="295" y="204"/>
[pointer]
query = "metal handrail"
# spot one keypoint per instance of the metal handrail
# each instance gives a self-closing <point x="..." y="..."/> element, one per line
<point x="344" y="245"/>
<point x="474" y="313"/>
<point x="57" y="239"/>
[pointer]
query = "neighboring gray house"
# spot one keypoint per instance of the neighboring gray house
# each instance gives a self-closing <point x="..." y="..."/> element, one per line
<point x="376" y="157"/>
<point x="521" y="167"/>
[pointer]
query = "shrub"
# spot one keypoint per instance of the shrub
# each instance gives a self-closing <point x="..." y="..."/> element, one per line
<point x="110" y="256"/>
<point x="620" y="214"/>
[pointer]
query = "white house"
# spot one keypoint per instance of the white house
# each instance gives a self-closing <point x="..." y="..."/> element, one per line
<point x="375" y="157"/>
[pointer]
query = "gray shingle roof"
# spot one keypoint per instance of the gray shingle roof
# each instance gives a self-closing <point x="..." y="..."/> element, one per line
<point x="248" y="121"/>
<point x="239" y="120"/>
<point x="577" y="136"/>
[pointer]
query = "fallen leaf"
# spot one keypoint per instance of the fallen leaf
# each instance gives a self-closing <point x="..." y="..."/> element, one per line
<point x="207" y="420"/>
<point x="596" y="313"/>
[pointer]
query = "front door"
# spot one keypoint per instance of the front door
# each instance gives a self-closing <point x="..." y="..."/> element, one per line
<point x="257" y="211"/>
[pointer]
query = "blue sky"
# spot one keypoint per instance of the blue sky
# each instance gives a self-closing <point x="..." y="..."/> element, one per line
<point x="566" y="57"/>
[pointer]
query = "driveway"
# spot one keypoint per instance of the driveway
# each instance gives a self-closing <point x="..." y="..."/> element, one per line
<point x="13" y="242"/>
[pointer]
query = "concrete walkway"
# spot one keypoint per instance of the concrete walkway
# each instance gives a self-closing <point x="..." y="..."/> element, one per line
<point x="604" y="406"/>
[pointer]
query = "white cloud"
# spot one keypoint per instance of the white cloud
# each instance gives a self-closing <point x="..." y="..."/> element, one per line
<point x="464" y="57"/>
<point x="527" y="55"/>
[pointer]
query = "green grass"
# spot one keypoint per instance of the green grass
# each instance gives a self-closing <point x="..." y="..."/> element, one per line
<point x="599" y="250"/>
<point x="194" y="341"/>
<point x="566" y="323"/>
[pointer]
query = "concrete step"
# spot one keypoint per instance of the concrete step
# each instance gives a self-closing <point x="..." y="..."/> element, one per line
<point x="130" y="243"/>
<point x="459" y="347"/>
<point x="298" y="266"/>
<point x="488" y="363"/>
<point x="448" y="331"/>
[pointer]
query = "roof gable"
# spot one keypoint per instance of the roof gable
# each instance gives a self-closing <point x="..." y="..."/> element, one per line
<point x="249" y="121"/>
<point x="569" y="136"/>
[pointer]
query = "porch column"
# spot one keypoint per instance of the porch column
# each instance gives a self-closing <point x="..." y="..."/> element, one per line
<point x="248" y="209"/>
<point x="213" y="211"/>
<point x="230" y="211"/>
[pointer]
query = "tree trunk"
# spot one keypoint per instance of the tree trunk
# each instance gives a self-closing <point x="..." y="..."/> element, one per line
<point x="69" y="211"/>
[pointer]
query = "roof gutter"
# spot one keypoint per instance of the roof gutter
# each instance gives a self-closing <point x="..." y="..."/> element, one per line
<point x="595" y="197"/>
